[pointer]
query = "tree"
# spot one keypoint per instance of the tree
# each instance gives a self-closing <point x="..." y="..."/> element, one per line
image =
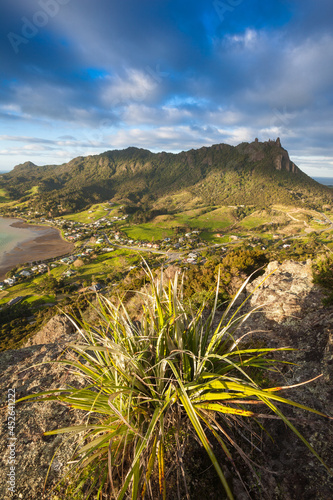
<point x="49" y="284"/>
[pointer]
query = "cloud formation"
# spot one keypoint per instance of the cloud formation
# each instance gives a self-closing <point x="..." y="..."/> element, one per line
<point x="165" y="75"/>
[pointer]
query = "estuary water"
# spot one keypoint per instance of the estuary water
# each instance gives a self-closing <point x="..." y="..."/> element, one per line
<point x="21" y="243"/>
<point x="11" y="236"/>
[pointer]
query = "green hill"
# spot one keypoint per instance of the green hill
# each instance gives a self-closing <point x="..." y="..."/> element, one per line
<point x="256" y="173"/>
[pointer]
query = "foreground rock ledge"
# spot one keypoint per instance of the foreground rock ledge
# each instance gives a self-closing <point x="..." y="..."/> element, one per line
<point x="292" y="314"/>
<point x="25" y="371"/>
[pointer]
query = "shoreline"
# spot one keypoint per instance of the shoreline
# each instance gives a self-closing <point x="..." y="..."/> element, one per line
<point x="46" y="243"/>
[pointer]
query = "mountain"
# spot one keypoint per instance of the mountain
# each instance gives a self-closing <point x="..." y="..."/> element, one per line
<point x="257" y="173"/>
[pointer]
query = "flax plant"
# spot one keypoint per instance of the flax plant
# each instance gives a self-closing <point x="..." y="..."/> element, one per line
<point x="175" y="368"/>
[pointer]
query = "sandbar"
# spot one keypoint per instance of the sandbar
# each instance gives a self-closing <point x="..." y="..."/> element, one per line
<point x="45" y="243"/>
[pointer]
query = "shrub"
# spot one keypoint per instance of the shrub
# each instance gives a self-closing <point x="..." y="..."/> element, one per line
<point x="322" y="271"/>
<point x="149" y="382"/>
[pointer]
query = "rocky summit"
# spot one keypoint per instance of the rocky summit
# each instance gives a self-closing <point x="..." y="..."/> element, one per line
<point x="291" y="314"/>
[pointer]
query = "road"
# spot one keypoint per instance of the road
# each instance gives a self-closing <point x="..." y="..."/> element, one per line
<point x="328" y="220"/>
<point x="171" y="254"/>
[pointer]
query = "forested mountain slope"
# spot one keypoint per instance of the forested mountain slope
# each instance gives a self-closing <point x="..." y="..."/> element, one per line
<point x="254" y="173"/>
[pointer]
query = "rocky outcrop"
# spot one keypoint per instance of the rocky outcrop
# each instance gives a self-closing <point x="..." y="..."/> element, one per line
<point x="283" y="162"/>
<point x="292" y="314"/>
<point x="257" y="152"/>
<point x="56" y="330"/>
<point x="27" y="371"/>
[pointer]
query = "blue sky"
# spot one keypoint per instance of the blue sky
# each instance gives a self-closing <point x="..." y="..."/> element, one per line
<point x="80" y="77"/>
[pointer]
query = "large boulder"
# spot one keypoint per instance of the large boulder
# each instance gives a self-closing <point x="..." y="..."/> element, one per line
<point x="58" y="329"/>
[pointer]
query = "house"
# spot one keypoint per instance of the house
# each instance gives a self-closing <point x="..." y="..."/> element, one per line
<point x="25" y="274"/>
<point x="190" y="260"/>
<point x="14" y="301"/>
<point x="69" y="273"/>
<point x="10" y="281"/>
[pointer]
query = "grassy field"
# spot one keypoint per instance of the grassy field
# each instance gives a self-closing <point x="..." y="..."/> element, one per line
<point x="23" y="289"/>
<point x="211" y="238"/>
<point x="212" y="220"/>
<point x="94" y="213"/>
<point x="220" y="220"/>
<point x="147" y="232"/>
<point x="4" y="198"/>
<point x="183" y="200"/>
<point x="26" y="288"/>
<point x="99" y="267"/>
<point x="39" y="300"/>
<point x="252" y="221"/>
<point x="104" y="264"/>
<point x="215" y="219"/>
<point x="14" y="203"/>
<point x="33" y="190"/>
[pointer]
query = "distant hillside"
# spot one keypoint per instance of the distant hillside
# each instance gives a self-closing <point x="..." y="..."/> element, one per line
<point x="254" y="173"/>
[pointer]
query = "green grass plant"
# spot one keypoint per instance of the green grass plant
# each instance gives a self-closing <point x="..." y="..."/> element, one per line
<point x="177" y="371"/>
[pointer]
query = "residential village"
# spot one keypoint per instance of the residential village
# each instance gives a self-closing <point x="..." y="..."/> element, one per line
<point x="97" y="238"/>
<point x="100" y="230"/>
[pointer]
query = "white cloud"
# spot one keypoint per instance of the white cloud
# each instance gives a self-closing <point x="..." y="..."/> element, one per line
<point x="136" y="86"/>
<point x="249" y="39"/>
